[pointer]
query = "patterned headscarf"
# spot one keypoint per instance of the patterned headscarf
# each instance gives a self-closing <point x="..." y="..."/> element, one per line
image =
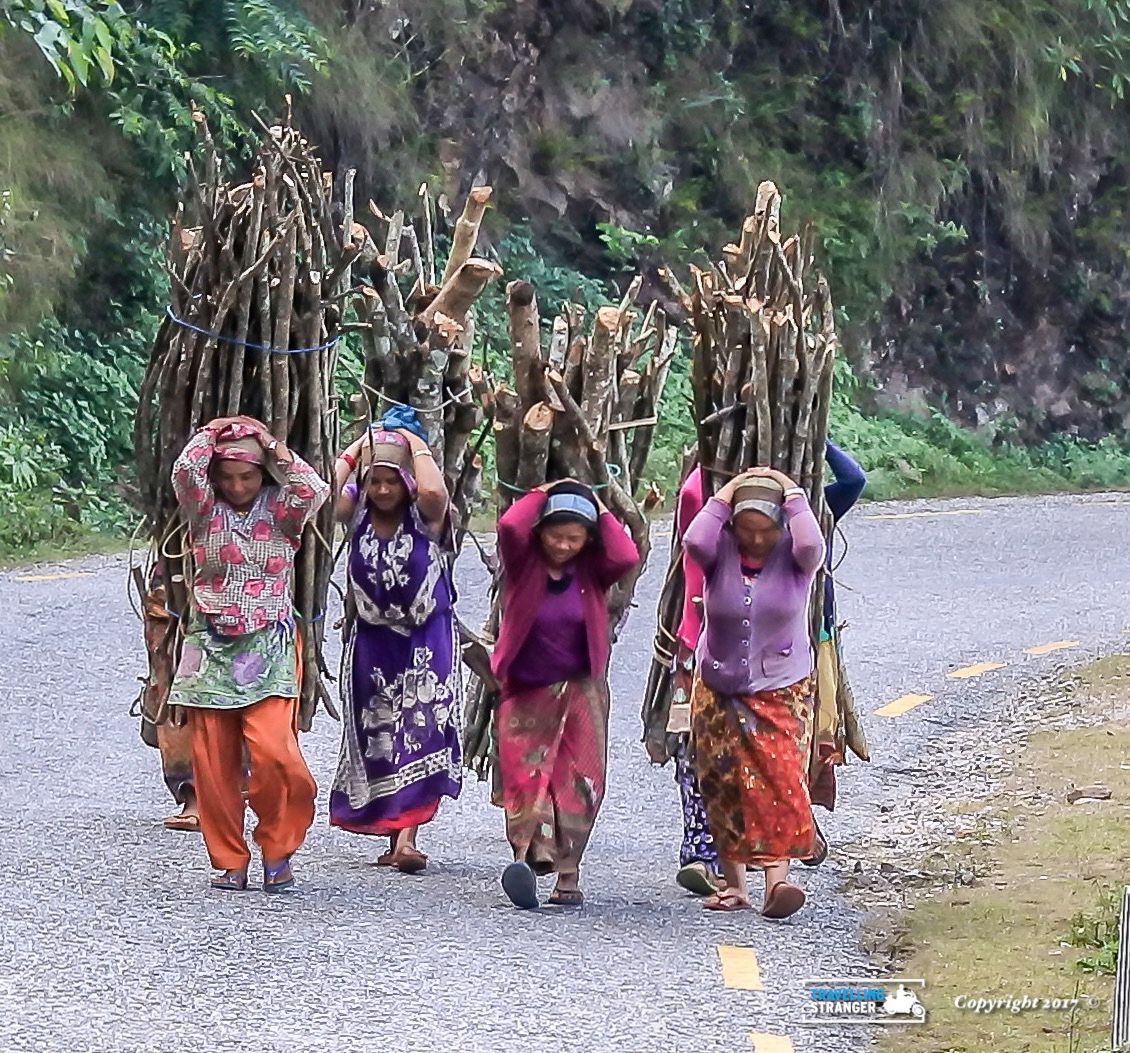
<point x="247" y="450"/>
<point x="387" y="449"/>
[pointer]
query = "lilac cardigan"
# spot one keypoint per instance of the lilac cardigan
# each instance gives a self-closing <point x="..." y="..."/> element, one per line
<point x="756" y="636"/>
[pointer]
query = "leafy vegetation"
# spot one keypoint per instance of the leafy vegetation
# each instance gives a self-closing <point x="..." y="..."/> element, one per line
<point x="963" y="163"/>
<point x="1097" y="930"/>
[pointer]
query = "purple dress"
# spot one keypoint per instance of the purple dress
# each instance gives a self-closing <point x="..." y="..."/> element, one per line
<point x="401" y="688"/>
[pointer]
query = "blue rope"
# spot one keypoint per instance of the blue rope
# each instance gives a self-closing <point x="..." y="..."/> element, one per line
<point x="247" y="343"/>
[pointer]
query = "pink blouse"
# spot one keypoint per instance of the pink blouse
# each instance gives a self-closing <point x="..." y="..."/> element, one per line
<point x="244" y="560"/>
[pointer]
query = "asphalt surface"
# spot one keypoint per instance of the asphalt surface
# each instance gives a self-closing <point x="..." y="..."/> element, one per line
<point x="111" y="940"/>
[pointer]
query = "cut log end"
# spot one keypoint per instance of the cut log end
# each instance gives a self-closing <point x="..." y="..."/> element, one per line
<point x="520" y="293"/>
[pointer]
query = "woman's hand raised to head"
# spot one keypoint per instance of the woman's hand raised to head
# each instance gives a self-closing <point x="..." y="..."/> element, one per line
<point x="414" y="441"/>
<point x="242" y="421"/>
<point x="727" y="492"/>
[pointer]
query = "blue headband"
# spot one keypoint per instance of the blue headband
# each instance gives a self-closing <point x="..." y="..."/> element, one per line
<point x="572" y="503"/>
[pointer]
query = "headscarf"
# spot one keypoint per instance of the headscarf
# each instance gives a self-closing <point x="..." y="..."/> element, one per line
<point x="569" y="502"/>
<point x="246" y="450"/>
<point x="387" y="449"/>
<point x="761" y="494"/>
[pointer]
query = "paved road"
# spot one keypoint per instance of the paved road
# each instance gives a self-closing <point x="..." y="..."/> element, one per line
<point x="110" y="940"/>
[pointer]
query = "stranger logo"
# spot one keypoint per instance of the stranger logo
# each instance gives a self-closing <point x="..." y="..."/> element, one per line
<point x="871" y="1001"/>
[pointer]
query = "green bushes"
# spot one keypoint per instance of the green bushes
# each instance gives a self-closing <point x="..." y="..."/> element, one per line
<point x="67" y="447"/>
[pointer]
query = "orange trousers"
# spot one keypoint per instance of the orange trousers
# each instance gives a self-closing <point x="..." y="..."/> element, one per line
<point x="281" y="789"/>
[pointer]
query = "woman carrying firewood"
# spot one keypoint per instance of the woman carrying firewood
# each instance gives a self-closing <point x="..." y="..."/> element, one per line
<point x="759" y="547"/>
<point x="240" y="668"/>
<point x="401" y="685"/>
<point x="698" y="860"/>
<point x="561" y="552"/>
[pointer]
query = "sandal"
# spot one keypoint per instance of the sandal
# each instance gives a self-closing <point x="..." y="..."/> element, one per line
<point x="783" y="901"/>
<point x="566" y="897"/>
<point x="408" y="860"/>
<point x="726" y="902"/>
<point x="188" y="823"/>
<point x="520" y="885"/>
<point x="278" y="878"/>
<point x="821" y="852"/>
<point x="696" y="878"/>
<point x="230" y="881"/>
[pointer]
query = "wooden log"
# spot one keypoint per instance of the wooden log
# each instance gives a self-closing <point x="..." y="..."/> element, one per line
<point x="573" y="374"/>
<point x="525" y="343"/>
<point x="482" y="390"/>
<point x="537" y="429"/>
<point x="461" y="290"/>
<point x="559" y="343"/>
<point x="466" y="231"/>
<point x="507" y="444"/>
<point x="466" y="418"/>
<point x="597" y="372"/>
<point x="393" y="239"/>
<point x="654" y="383"/>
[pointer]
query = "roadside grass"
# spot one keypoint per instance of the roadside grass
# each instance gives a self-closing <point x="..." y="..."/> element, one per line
<point x="1040" y="917"/>
<point x="85" y="543"/>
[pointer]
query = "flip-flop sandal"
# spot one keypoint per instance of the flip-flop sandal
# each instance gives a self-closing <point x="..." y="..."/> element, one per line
<point x="696" y="878"/>
<point x="273" y="882"/>
<point x="409" y="860"/>
<point x="821" y="852"/>
<point x="520" y="885"/>
<point x="231" y="881"/>
<point x="188" y="823"/>
<point x="385" y="858"/>
<point x="566" y="897"/>
<point x="783" y="901"/>
<point x="726" y="903"/>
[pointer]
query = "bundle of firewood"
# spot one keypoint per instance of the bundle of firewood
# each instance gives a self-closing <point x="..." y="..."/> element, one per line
<point x="583" y="405"/>
<point x="251" y="329"/>
<point x="764" y="341"/>
<point x="418" y="339"/>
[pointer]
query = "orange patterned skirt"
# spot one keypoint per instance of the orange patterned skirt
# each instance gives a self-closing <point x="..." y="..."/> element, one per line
<point x="751" y="754"/>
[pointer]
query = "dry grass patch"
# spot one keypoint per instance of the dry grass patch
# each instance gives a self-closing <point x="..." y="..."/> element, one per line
<point x="1041" y="875"/>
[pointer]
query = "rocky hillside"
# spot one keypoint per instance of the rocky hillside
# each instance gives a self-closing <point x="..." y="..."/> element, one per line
<point x="964" y="161"/>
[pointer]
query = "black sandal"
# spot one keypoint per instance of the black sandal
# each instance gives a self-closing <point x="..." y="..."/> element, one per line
<point x="821" y="852"/>
<point x="278" y="878"/>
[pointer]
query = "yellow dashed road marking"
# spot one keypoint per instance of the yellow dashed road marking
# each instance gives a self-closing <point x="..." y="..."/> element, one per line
<point x="739" y="968"/>
<point x="1059" y="645"/>
<point x="56" y="577"/>
<point x="763" y="1043"/>
<point x="923" y="515"/>
<point x="975" y="670"/>
<point x="901" y="705"/>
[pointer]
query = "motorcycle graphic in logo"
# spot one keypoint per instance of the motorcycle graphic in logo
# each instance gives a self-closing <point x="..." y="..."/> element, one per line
<point x="903" y="1002"/>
